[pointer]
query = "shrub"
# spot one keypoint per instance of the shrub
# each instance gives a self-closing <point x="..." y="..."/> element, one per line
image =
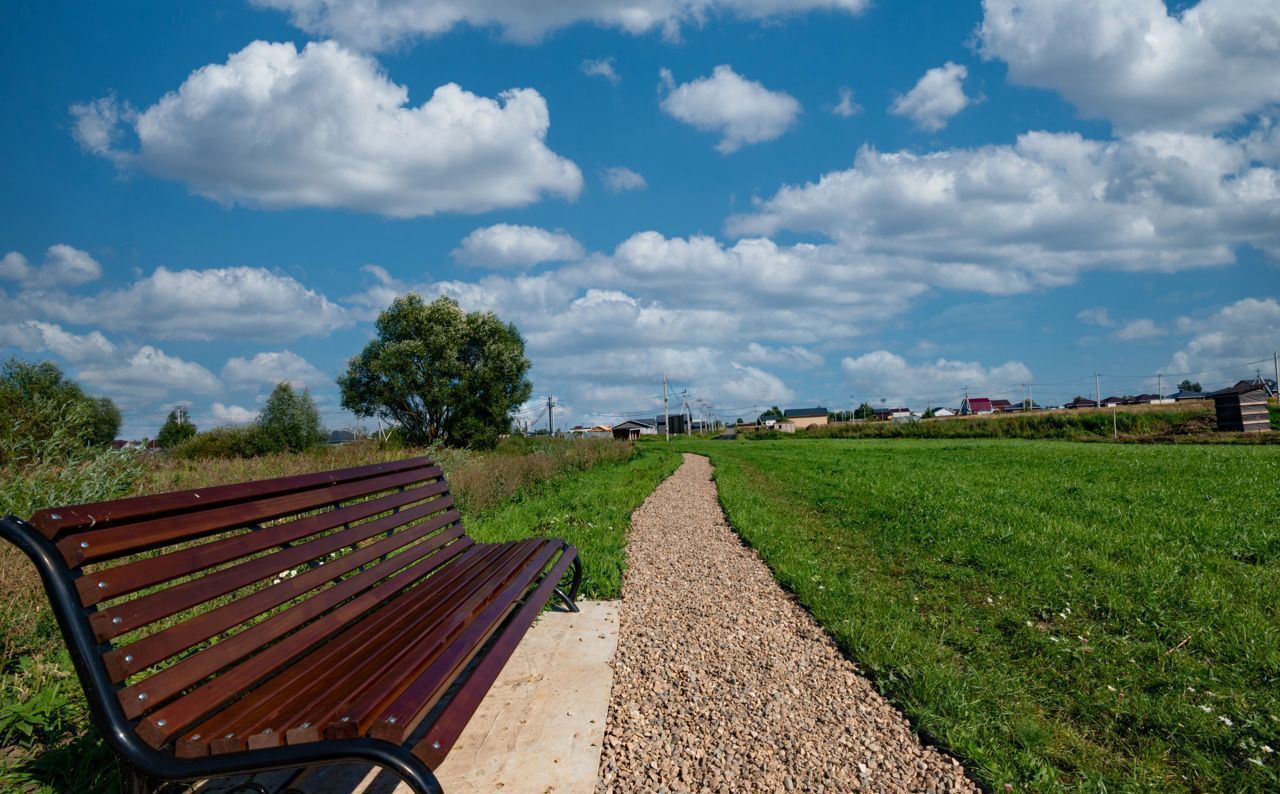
<point x="232" y="441"/>
<point x="40" y="402"/>
<point x="289" y="421"/>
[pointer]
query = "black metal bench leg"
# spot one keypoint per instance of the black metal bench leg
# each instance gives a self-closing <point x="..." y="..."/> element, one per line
<point x="134" y="782"/>
<point x="571" y="598"/>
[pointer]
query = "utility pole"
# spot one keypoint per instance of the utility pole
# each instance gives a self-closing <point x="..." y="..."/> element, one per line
<point x="1275" y="359"/>
<point x="1097" y="390"/>
<point x="1160" y="386"/>
<point x="1031" y="395"/>
<point x="551" y="424"/>
<point x="666" y="408"/>
<point x="684" y="411"/>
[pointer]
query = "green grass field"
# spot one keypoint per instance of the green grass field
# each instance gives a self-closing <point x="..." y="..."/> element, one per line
<point x="1061" y="616"/>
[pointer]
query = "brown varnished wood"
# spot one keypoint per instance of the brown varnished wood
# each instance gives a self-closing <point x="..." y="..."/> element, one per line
<point x="367" y="704"/>
<point x="233" y="720"/>
<point x="356" y="657"/>
<point x="101" y="515"/>
<point x="174" y="679"/>
<point x="117" y="541"/>
<point x="450" y="722"/>
<point x="133" y="576"/>
<point x="175" y="639"/>
<point x="404" y="714"/>
<point x="130" y="615"/>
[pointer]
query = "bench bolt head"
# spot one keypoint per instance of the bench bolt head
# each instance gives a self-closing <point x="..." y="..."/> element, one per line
<point x="116" y="620"/>
<point x="102" y="585"/>
<point x="391" y="720"/>
<point x="84" y="544"/>
<point x="162" y="723"/>
<point x="55" y="516"/>
<point x="142" y="696"/>
<point x="435" y="745"/>
<point x="128" y="658"/>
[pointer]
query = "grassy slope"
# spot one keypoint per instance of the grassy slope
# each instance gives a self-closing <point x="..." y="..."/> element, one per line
<point x="1059" y="615"/>
<point x="590" y="509"/>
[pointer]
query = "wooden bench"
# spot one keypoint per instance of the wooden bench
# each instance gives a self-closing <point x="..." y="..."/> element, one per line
<point x="287" y="623"/>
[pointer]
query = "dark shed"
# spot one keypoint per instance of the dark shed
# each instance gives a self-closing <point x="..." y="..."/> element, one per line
<point x="1242" y="408"/>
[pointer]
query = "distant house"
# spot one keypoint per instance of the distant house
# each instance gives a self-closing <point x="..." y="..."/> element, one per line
<point x="634" y="428"/>
<point x="889" y="414"/>
<point x="341" y="437"/>
<point x="972" y="406"/>
<point x="1001" y="406"/>
<point x="941" y="412"/>
<point x="1182" y="395"/>
<point x="595" y="431"/>
<point x="1081" y="402"/>
<point x="806" y="417"/>
<point x="1112" y="402"/>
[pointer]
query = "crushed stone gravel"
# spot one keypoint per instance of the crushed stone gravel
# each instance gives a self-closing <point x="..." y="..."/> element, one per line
<point x="723" y="684"/>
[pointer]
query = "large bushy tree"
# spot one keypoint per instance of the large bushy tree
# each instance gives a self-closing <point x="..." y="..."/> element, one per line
<point x="37" y="399"/>
<point x="439" y="373"/>
<point x="176" y="429"/>
<point x="289" y="420"/>
<point x="1189" y="385"/>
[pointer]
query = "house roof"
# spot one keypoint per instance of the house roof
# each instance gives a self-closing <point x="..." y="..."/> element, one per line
<point x="890" y="410"/>
<point x="1183" y="394"/>
<point x="978" y="403"/>
<point x="632" y="424"/>
<point x="1243" y="387"/>
<point x="801" y="413"/>
<point x="1000" y="403"/>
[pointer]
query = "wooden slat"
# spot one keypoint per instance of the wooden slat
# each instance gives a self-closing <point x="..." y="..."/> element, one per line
<point x="383" y="677"/>
<point x="133" y="576"/>
<point x="358" y="660"/>
<point x="130" y="615"/>
<point x="217" y="728"/>
<point x="126" y="660"/>
<point x="399" y="720"/>
<point x="137" y="699"/>
<point x="105" y="514"/>
<point x="450" y="722"/>
<point x="125" y="539"/>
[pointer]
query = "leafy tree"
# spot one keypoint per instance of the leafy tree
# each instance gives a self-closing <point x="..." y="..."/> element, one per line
<point x="106" y="421"/>
<point x="289" y="421"/>
<point x="865" y="411"/>
<point x="439" y="373"/>
<point x="38" y="399"/>
<point x="1189" y="385"/>
<point x="773" y="413"/>
<point x="929" y="414"/>
<point x="176" y="429"/>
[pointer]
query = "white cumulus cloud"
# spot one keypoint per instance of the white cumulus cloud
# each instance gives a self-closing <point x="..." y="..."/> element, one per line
<point x="882" y="375"/>
<point x="937" y="97"/>
<point x="233" y="414"/>
<point x="846" y="107"/>
<point x="504" y="245"/>
<point x="63" y="266"/>
<point x="1136" y="63"/>
<point x="233" y="302"/>
<point x="34" y="336"/>
<point x="268" y="369"/>
<point x="1246" y="330"/>
<point x="147" y="375"/>
<point x="742" y="111"/>
<point x="380" y="24"/>
<point x="601" y="67"/>
<point x="790" y="356"/>
<point x="277" y="128"/>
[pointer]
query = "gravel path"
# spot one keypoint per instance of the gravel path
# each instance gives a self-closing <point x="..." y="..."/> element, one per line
<point x="723" y="684"/>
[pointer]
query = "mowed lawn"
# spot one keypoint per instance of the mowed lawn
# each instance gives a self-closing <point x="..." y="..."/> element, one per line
<point x="1061" y="616"/>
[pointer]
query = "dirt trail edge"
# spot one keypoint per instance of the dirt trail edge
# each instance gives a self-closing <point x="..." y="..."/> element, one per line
<point x="723" y="684"/>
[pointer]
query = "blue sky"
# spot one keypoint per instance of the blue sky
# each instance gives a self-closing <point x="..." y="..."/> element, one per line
<point x="793" y="203"/>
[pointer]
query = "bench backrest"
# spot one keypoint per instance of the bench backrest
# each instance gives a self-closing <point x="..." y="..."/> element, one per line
<point x="200" y="594"/>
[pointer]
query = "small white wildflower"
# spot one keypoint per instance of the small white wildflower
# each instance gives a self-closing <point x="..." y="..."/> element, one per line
<point x="1068" y="610"/>
<point x="1061" y="615"/>
<point x="1111" y="688"/>
<point x="1257" y="761"/>
<point x="1191" y="689"/>
<point x="989" y="601"/>
<point x="1206" y="709"/>
<point x="1266" y="748"/>
<point x="1030" y="624"/>
<point x="1054" y="639"/>
<point x="1225" y="720"/>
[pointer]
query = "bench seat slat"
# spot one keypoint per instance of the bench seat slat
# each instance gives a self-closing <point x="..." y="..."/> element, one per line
<point x="175" y="639"/>
<point x="449" y="723"/>
<point x="391" y="614"/>
<point x="341" y="672"/>
<point x="397" y="615"/>
<point x="399" y="719"/>
<point x="73" y="518"/>
<point x="130" y="577"/>
<point x="365" y="704"/>
<point x="319" y="609"/>
<point x="104" y="544"/>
